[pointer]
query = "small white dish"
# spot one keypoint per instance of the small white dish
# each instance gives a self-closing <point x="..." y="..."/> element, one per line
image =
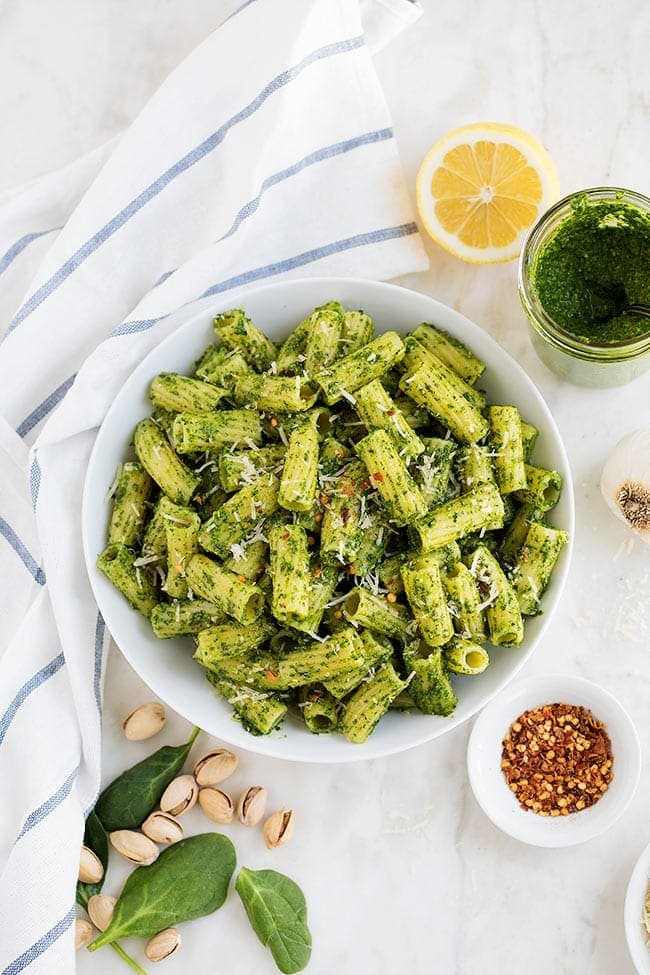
<point x="489" y="784"/>
<point x="634" y="898"/>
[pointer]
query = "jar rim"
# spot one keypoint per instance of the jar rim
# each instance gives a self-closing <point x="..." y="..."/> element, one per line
<point x="540" y="319"/>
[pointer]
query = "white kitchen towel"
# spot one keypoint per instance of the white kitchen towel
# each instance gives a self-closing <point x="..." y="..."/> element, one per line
<point x="267" y="153"/>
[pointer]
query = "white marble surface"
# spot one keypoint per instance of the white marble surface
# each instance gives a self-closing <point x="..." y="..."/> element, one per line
<point x="402" y="871"/>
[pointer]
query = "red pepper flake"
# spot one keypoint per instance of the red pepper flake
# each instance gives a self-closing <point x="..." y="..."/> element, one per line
<point x="557" y="759"/>
<point x="390" y="412"/>
<point x="378" y="476"/>
<point x="274" y="422"/>
<point x="317" y="572"/>
<point x="241" y="578"/>
<point x="270" y="675"/>
<point x="348" y="489"/>
<point x="324" y="499"/>
<point x="345" y="515"/>
<point x="286" y="537"/>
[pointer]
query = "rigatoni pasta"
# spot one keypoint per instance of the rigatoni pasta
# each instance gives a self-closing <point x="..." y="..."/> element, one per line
<point x="505" y="623"/>
<point x="182" y="527"/>
<point x="507" y="448"/>
<point x="535" y="564"/>
<point x="158" y="458"/>
<point x="193" y="432"/>
<point x="379" y="412"/>
<point x="429" y="386"/>
<point x="289" y="570"/>
<point x="300" y="470"/>
<point x="129" y="505"/>
<point x="341" y="523"/>
<point x="389" y="474"/>
<point x="184" y="394"/>
<point x="426" y="597"/>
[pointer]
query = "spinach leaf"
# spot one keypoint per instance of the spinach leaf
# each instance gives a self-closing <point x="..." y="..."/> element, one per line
<point x="277" y="911"/>
<point x="128" y="800"/>
<point x="96" y="840"/>
<point x="188" y="880"/>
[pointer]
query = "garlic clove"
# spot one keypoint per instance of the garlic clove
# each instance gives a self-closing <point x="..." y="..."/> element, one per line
<point x="163" y="944"/>
<point x="145" y="722"/>
<point x="216" y="766"/>
<point x="180" y="795"/>
<point x="91" y="869"/>
<point x="251" y="805"/>
<point x="625" y="482"/>
<point x="83" y="933"/>
<point x="136" y="847"/>
<point x="278" y="828"/>
<point x="100" y="910"/>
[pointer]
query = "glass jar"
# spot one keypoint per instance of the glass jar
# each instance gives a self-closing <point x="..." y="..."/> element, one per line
<point x="568" y="355"/>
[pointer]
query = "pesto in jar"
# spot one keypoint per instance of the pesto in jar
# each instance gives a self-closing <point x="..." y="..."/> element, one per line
<point x="593" y="267"/>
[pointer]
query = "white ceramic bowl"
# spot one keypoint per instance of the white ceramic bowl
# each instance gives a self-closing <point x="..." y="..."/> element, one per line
<point x="634" y="898"/>
<point x="489" y="784"/>
<point x="167" y="666"/>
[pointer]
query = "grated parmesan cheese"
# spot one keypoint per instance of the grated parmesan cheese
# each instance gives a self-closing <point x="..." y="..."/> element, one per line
<point x="112" y="489"/>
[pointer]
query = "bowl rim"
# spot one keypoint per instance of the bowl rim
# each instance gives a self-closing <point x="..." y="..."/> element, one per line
<point x="582" y="687"/>
<point x="637" y="884"/>
<point x="232" y="299"/>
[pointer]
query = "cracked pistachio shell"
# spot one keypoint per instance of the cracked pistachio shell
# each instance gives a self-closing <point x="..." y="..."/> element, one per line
<point x="180" y="795"/>
<point x="145" y="722"/>
<point x="83" y="933"/>
<point x="251" y="805"/>
<point x="162" y="827"/>
<point x="91" y="869"/>
<point x="163" y="944"/>
<point x="136" y="847"/>
<point x="100" y="910"/>
<point x="278" y="828"/>
<point x="215" y="766"/>
<point x="216" y="804"/>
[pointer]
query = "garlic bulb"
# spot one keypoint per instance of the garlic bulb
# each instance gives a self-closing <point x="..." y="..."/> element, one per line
<point x="625" y="482"/>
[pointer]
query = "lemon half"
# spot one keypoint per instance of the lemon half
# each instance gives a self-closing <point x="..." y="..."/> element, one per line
<point x="481" y="188"/>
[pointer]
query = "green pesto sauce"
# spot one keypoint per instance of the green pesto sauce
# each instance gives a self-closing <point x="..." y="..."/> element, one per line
<point x="593" y="267"/>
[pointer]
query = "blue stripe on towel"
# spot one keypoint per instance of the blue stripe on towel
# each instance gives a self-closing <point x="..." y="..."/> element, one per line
<point x="22" y="552"/>
<point x="308" y="257"/>
<point x="34" y="682"/>
<point x="241" y="7"/>
<point x="49" y="805"/>
<point x="34" y="479"/>
<point x="45" y="407"/>
<point x="327" y="152"/>
<point x="16" y="249"/>
<point x="190" y="159"/>
<point x="20" y="963"/>
<point x="131" y="328"/>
